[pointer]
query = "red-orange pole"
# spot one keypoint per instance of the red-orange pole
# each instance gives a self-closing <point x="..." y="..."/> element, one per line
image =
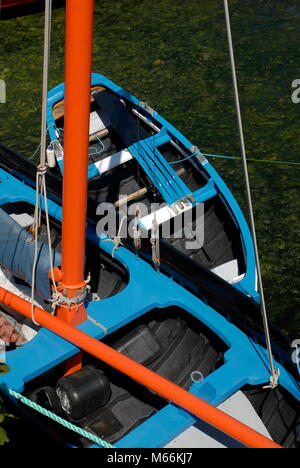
<point x="141" y="374"/>
<point x="78" y="69"/>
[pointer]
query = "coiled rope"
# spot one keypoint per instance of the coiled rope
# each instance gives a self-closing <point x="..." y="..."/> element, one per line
<point x="94" y="151"/>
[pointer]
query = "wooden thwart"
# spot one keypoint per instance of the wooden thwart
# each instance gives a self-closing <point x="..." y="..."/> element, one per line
<point x="103" y="133"/>
<point x="59" y="108"/>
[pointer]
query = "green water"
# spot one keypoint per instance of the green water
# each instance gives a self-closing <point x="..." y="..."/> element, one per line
<point x="174" y="55"/>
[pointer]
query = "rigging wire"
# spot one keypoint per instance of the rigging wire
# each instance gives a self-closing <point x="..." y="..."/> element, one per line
<point x="298" y="358"/>
<point x="41" y="189"/>
<point x="261" y="161"/>
<point x="154" y="237"/>
<point x="35" y="152"/>
<point x="136" y="228"/>
<point x="218" y="156"/>
<point x="274" y="373"/>
<point x="139" y="120"/>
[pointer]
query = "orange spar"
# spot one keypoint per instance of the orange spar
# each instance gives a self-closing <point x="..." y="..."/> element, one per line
<point x="141" y="374"/>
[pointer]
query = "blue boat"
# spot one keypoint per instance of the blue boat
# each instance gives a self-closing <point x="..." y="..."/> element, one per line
<point x="172" y="285"/>
<point x="133" y="148"/>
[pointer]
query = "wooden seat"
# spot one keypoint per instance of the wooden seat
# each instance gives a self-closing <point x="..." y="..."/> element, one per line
<point x="59" y="108"/>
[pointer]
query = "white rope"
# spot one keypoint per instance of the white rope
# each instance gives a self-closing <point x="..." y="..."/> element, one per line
<point x="98" y="324"/>
<point x="117" y="241"/>
<point x="36" y="226"/>
<point x="47" y="43"/>
<point x="274" y="373"/>
<point x="155" y="243"/>
<point x="41" y="188"/>
<point x="137" y="230"/>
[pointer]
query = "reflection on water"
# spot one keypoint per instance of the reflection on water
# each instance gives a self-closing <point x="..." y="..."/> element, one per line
<point x="173" y="54"/>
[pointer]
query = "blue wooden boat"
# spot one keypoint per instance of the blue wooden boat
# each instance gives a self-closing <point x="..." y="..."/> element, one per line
<point x="132" y="148"/>
<point x="191" y="316"/>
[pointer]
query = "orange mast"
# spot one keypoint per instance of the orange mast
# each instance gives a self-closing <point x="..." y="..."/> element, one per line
<point x="78" y="69"/>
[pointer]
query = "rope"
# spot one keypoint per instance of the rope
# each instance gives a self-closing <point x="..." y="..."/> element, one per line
<point x="98" y="324"/>
<point x="261" y="161"/>
<point x="49" y="414"/>
<point x="137" y="230"/>
<point x="41" y="189"/>
<point x="35" y="152"/>
<point x="153" y="104"/>
<point x="96" y="151"/>
<point x="117" y="241"/>
<point x="155" y="243"/>
<point x="297" y="356"/>
<point x="60" y="300"/>
<point x="274" y="373"/>
<point x="47" y="42"/>
<point x="196" y="153"/>
<point x="287" y="163"/>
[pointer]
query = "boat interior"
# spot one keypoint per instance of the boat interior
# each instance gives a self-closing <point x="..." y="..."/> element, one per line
<point x="114" y="126"/>
<point x="171" y="342"/>
<point x="108" y="276"/>
<point x="222" y="250"/>
<point x="279" y="412"/>
<point x="123" y="180"/>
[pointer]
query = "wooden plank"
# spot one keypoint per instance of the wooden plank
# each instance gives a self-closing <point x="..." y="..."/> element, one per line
<point x="101" y="134"/>
<point x="59" y="108"/>
<point x="131" y="197"/>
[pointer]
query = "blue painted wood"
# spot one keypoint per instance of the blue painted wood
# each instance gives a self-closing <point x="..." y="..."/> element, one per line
<point x="216" y="185"/>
